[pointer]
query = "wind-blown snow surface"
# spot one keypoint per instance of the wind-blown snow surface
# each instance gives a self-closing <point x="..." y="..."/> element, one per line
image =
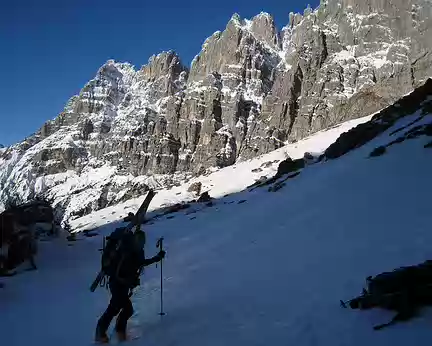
<point x="269" y="271"/>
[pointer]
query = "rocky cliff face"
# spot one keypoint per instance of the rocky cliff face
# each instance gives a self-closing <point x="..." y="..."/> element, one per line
<point x="251" y="89"/>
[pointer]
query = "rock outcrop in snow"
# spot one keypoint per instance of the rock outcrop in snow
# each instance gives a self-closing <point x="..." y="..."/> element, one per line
<point x="383" y="120"/>
<point x="251" y="89"/>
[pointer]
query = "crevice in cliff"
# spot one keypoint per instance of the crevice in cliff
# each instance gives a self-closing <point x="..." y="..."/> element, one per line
<point x="174" y="146"/>
<point x="324" y="51"/>
<point x="295" y="92"/>
<point x="244" y="108"/>
<point x="195" y="127"/>
<point x="312" y="114"/>
<point x="239" y="38"/>
<point x="412" y="75"/>
<point x="217" y="111"/>
<point x="374" y="78"/>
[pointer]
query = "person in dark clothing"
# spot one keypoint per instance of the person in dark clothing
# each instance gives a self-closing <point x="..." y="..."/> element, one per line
<point x="120" y="285"/>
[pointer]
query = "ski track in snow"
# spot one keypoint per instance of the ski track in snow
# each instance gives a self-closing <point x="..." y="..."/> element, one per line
<point x="269" y="271"/>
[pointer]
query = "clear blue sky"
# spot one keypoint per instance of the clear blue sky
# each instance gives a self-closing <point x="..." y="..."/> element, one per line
<point x="50" y="48"/>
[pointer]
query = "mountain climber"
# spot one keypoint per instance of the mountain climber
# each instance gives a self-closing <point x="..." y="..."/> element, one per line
<point x="121" y="284"/>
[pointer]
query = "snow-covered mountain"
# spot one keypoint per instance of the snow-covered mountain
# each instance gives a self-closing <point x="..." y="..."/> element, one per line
<point x="263" y="266"/>
<point x="250" y="90"/>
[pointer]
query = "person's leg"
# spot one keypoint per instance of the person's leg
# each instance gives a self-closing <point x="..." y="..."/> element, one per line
<point x="123" y="317"/>
<point x="2" y="264"/>
<point x="114" y="307"/>
<point x="32" y="263"/>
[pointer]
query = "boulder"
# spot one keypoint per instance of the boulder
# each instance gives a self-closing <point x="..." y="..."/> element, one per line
<point x="20" y="226"/>
<point x="289" y="165"/>
<point x="378" y="151"/>
<point x="195" y="187"/>
<point x="204" y="198"/>
<point x="428" y="130"/>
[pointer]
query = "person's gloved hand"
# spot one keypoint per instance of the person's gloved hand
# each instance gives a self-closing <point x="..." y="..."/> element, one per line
<point x="161" y="255"/>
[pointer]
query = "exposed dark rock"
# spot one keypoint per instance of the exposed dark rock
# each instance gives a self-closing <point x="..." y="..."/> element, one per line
<point x="406" y="126"/>
<point x="428" y="130"/>
<point x="205" y="197"/>
<point x="288" y="165"/>
<point x="136" y="190"/>
<point x="355" y="138"/>
<point x="19" y="227"/>
<point x="275" y="179"/>
<point x="380" y="122"/>
<point x="195" y="188"/>
<point x="176" y="208"/>
<point x="248" y="91"/>
<point x="415" y="134"/>
<point x="267" y="164"/>
<point x="397" y="141"/>
<point x="378" y="151"/>
<point x="281" y="183"/>
<point x="87" y="129"/>
<point x="35" y="216"/>
<point x="308" y="157"/>
<point x="258" y="182"/>
<point x="90" y="234"/>
<point x="71" y="237"/>
<point x="276" y="187"/>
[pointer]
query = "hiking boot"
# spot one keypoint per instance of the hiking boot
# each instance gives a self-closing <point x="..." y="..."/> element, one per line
<point x="101" y="337"/>
<point x="121" y="336"/>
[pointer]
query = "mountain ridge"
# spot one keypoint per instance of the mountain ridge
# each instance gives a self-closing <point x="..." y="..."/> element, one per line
<point x="251" y="89"/>
<point x="290" y="249"/>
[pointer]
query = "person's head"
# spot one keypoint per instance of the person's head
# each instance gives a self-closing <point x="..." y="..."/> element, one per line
<point x="139" y="239"/>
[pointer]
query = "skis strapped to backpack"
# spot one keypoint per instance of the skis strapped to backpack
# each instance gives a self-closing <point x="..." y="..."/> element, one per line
<point x="115" y="241"/>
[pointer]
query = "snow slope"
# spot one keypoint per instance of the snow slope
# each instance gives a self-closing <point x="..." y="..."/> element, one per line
<point x="269" y="271"/>
<point x="224" y="181"/>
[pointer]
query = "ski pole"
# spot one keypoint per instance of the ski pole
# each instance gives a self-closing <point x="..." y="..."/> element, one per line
<point x="159" y="245"/>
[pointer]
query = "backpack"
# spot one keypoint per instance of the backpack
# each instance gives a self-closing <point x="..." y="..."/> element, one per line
<point x="117" y="244"/>
<point x="401" y="279"/>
